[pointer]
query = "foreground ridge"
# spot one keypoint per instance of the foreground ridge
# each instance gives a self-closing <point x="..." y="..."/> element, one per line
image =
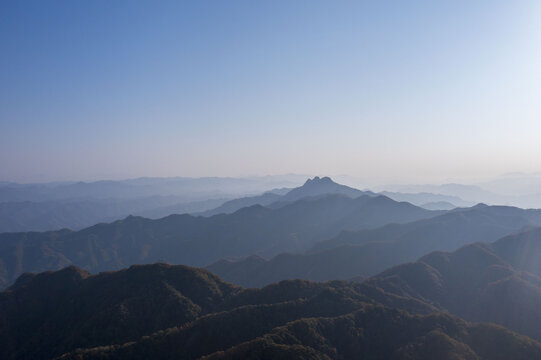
<point x="162" y="311"/>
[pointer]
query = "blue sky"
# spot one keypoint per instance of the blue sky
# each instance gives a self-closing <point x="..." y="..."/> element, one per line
<point x="389" y="90"/>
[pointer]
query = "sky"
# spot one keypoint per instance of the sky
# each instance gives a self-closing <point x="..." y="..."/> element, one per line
<point x="391" y="91"/>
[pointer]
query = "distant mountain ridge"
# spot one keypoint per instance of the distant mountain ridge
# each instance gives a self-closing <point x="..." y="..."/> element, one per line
<point x="43" y="207"/>
<point x="369" y="251"/>
<point x="199" y="241"/>
<point x="520" y="192"/>
<point x="75" y="205"/>
<point x="421" y="198"/>
<point x="311" y="188"/>
<point x="191" y="189"/>
<point x="78" y="214"/>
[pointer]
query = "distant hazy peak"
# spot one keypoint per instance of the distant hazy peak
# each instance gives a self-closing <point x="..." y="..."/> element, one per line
<point x="322" y="182"/>
<point x="320" y="186"/>
<point x="480" y="206"/>
<point x="318" y="180"/>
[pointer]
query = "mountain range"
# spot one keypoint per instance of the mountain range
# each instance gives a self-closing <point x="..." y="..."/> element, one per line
<point x="76" y="205"/>
<point x="308" y="233"/>
<point x="78" y="214"/>
<point x="513" y="190"/>
<point x="431" y="201"/>
<point x="199" y="241"/>
<point x="191" y="189"/>
<point x="416" y="284"/>
<point x="169" y="312"/>
<point x="498" y="282"/>
<point x="311" y="188"/>
<point x="369" y="251"/>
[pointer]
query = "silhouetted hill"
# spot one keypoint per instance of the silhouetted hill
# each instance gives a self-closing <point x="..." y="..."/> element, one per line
<point x="480" y="223"/>
<point x="370" y="251"/>
<point x="198" y="241"/>
<point x="177" y="312"/>
<point x="497" y="282"/>
<point x="321" y="186"/>
<point x="312" y="188"/>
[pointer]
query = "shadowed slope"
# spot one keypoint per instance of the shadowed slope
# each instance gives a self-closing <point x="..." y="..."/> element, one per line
<point x="479" y="282"/>
<point x="70" y="308"/>
<point x="382" y="333"/>
<point x="169" y="312"/>
<point x="45" y="315"/>
<point x="367" y="252"/>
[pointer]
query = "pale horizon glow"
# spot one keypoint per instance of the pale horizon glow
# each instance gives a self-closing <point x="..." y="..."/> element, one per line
<point x="423" y="92"/>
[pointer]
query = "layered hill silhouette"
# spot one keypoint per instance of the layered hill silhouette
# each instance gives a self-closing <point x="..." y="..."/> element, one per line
<point x="430" y="199"/>
<point x="311" y="188"/>
<point x="370" y="251"/>
<point x="76" y="205"/>
<point x="169" y="312"/>
<point x="81" y="213"/>
<point x="42" y="207"/>
<point x="498" y="282"/>
<point x="426" y="309"/>
<point x="199" y="241"/>
<point x="190" y="189"/>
